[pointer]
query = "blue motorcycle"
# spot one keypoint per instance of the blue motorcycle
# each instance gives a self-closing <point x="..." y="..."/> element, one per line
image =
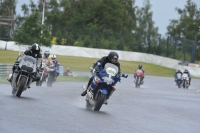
<point x="102" y="86"/>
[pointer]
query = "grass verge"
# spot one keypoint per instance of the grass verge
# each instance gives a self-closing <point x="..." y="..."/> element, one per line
<point x="3" y="80"/>
<point x="83" y="64"/>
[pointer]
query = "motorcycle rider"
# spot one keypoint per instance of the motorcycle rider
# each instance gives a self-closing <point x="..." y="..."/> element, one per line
<point x="188" y="73"/>
<point x="47" y="60"/>
<point x="56" y="63"/>
<point x="176" y="74"/>
<point x="34" y="51"/>
<point x="111" y="58"/>
<point x="140" y="68"/>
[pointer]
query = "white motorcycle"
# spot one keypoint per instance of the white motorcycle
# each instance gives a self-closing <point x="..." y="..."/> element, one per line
<point x="185" y="81"/>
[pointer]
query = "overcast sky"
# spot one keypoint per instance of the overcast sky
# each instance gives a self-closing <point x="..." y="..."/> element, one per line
<point x="163" y="10"/>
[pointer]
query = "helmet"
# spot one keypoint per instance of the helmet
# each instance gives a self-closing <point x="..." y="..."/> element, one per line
<point x="113" y="57"/>
<point x="178" y="70"/>
<point x="35" y="49"/>
<point x="53" y="57"/>
<point x="46" y="53"/>
<point x="186" y="70"/>
<point x="140" y="66"/>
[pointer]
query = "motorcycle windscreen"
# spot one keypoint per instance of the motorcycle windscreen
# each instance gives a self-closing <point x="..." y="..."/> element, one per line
<point x="179" y="75"/>
<point x="108" y="74"/>
<point x="28" y="63"/>
<point x="111" y="69"/>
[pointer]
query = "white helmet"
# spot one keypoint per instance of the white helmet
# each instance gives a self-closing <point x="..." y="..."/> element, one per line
<point x="53" y="57"/>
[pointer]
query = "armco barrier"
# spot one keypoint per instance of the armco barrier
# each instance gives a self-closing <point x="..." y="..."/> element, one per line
<point x="5" y="69"/>
<point x="98" y="53"/>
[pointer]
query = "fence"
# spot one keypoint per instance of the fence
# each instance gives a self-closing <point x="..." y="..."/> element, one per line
<point x="5" y="69"/>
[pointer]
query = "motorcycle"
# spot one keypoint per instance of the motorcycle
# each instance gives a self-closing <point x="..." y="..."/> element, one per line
<point x="102" y="86"/>
<point x="185" y="79"/>
<point x="23" y="75"/>
<point x="179" y="80"/>
<point x="51" y="75"/>
<point x="42" y="72"/>
<point x="138" y="75"/>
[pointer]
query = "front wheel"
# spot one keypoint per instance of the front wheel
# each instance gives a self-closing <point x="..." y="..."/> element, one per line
<point x="100" y="101"/>
<point x="136" y="82"/>
<point x="21" y="86"/>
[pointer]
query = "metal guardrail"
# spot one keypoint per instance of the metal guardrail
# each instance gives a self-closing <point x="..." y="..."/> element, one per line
<point x="5" y="69"/>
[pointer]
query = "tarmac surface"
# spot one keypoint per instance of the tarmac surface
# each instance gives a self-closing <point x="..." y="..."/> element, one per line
<point x="157" y="107"/>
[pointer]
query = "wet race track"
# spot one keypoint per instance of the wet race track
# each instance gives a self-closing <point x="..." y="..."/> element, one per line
<point x="157" y="107"/>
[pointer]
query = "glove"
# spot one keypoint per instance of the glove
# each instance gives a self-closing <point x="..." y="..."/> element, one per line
<point x="98" y="64"/>
<point x="124" y="75"/>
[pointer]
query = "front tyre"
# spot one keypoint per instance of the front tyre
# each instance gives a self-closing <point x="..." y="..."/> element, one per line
<point x="100" y="101"/>
<point x="136" y="82"/>
<point x="21" y="86"/>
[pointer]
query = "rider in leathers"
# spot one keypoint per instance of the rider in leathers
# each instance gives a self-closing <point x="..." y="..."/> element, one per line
<point x="34" y="51"/>
<point x="140" y="68"/>
<point x="111" y="58"/>
<point x="175" y="75"/>
<point x="47" y="60"/>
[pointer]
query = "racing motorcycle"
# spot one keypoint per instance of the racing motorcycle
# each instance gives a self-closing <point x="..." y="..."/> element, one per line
<point x="179" y="79"/>
<point x="23" y="74"/>
<point x="42" y="72"/>
<point x="138" y="76"/>
<point x="51" y="75"/>
<point x="185" y="79"/>
<point x="102" y="86"/>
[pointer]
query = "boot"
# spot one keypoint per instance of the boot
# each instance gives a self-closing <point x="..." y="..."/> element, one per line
<point x="10" y="78"/>
<point x="84" y="93"/>
<point x="106" y="102"/>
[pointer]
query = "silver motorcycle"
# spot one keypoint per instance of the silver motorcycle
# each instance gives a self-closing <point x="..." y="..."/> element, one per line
<point x="23" y="75"/>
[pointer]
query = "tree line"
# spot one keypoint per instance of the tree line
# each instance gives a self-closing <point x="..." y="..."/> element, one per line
<point x="113" y="24"/>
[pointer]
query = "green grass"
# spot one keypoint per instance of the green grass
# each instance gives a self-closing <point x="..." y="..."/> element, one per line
<point x="59" y="79"/>
<point x="84" y="64"/>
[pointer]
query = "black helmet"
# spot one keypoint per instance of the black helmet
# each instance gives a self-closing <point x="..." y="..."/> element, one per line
<point x="140" y="66"/>
<point x="113" y="57"/>
<point x="35" y="49"/>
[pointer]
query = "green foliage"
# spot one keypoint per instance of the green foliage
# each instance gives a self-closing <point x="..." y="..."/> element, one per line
<point x="187" y="28"/>
<point x="30" y="32"/>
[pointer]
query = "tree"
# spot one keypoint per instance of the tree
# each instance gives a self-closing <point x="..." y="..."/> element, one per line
<point x="187" y="28"/>
<point x="7" y="12"/>
<point x="30" y="32"/>
<point x="146" y="33"/>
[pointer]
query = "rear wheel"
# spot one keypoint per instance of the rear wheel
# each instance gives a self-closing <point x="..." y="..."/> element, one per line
<point x="39" y="83"/>
<point x="21" y="86"/>
<point x="50" y="81"/>
<point x="184" y="84"/>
